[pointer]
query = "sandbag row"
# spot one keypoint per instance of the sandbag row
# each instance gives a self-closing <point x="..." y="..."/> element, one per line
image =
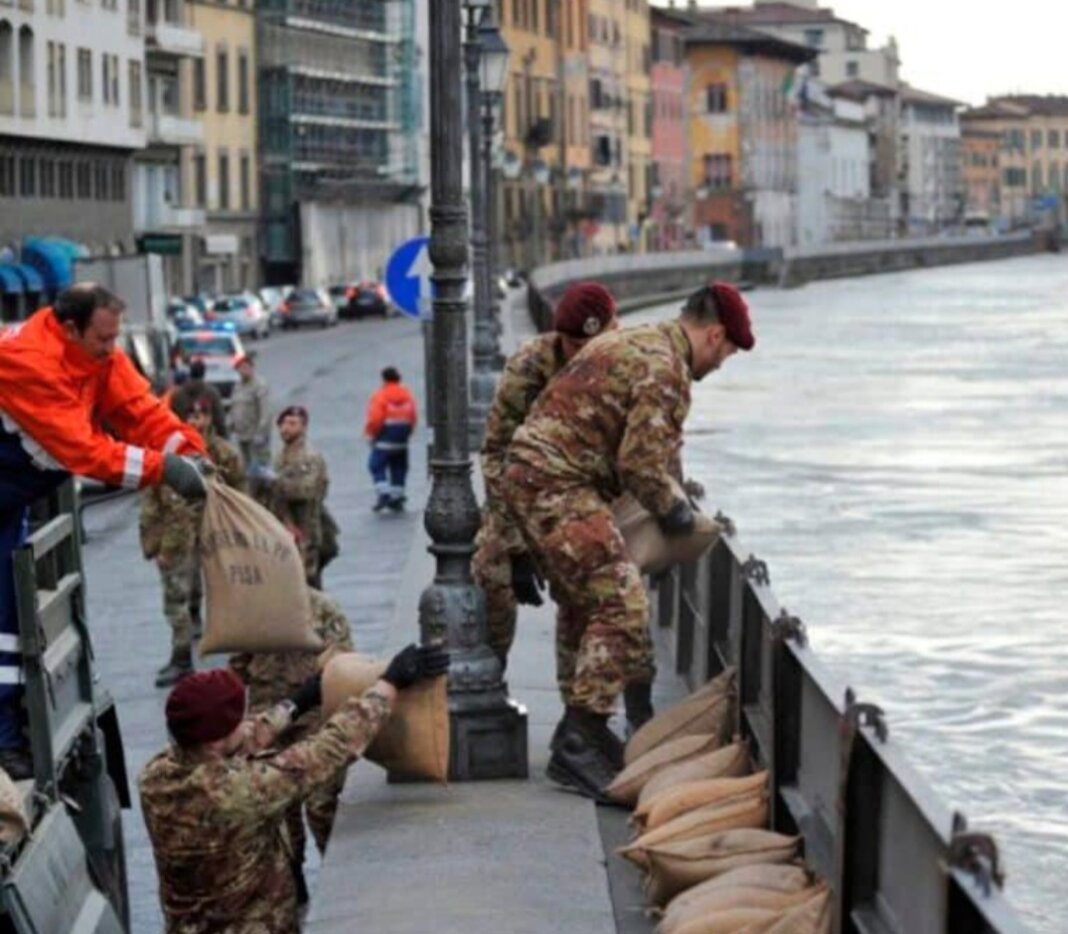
<point x="700" y="815"/>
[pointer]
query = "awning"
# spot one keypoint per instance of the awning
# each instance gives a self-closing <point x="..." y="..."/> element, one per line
<point x="10" y="280"/>
<point x="51" y="261"/>
<point x="169" y="244"/>
<point x="31" y="278"/>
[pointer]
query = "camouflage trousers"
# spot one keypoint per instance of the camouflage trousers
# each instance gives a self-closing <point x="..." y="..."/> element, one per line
<point x="602" y="627"/>
<point x="491" y="568"/>
<point x="180" y="581"/>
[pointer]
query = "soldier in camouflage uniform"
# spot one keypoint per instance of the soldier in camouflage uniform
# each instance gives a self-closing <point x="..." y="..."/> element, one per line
<point x="170" y="525"/>
<point x="215" y="801"/>
<point x="502" y="565"/>
<point x="273" y="676"/>
<point x="250" y="422"/>
<point x="299" y="488"/>
<point x="611" y="421"/>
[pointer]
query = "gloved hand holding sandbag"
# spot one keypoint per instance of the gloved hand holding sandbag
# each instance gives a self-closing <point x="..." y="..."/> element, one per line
<point x="414" y="741"/>
<point x="656" y="543"/>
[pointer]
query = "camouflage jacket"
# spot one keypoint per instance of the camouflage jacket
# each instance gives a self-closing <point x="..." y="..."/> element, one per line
<point x="250" y="410"/>
<point x="274" y="676"/>
<point x="217" y="826"/>
<point x="299" y="489"/>
<point x="612" y="418"/>
<point x="169" y="523"/>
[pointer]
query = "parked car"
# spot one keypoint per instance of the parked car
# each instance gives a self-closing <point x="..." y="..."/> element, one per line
<point x="340" y="295"/>
<point x="218" y="347"/>
<point x="244" y="311"/>
<point x="273" y="297"/>
<point x="184" y="315"/>
<point x="367" y="298"/>
<point x="308" y="306"/>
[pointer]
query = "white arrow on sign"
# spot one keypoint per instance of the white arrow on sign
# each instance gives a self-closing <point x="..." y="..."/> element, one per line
<point x="421" y="269"/>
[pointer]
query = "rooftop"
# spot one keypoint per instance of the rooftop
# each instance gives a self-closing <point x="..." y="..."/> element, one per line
<point x="717" y="31"/>
<point x="1042" y="105"/>
<point x="911" y="95"/>
<point x="779" y="14"/>
<point x="858" y="89"/>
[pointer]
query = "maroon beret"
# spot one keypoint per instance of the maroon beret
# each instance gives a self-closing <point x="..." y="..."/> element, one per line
<point x="205" y="706"/>
<point x="733" y="314"/>
<point x="298" y="410"/>
<point x="584" y="310"/>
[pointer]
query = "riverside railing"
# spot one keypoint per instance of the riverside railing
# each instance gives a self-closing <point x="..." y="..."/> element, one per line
<point x="899" y="862"/>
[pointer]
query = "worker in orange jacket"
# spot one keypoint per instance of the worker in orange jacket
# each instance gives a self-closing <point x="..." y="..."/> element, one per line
<point x="62" y="380"/>
<point x="391" y="418"/>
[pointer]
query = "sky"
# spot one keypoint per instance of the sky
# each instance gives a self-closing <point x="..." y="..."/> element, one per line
<point x="963" y="49"/>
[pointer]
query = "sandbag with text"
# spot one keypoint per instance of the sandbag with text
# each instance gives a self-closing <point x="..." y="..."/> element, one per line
<point x="254" y="585"/>
<point x="647" y="545"/>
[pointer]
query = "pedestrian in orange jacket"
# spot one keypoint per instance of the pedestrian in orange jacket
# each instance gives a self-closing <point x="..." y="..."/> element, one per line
<point x="391" y="417"/>
<point x="62" y="380"/>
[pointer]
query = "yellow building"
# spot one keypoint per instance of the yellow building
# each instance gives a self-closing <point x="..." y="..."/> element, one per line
<point x="576" y="218"/>
<point x="222" y="172"/>
<point x="609" y="150"/>
<point x="637" y="38"/>
<point x="531" y="201"/>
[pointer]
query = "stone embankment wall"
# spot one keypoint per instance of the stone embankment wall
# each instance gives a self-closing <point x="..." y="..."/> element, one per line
<point x="644" y="279"/>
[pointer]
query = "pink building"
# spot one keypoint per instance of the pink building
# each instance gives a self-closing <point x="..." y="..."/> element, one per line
<point x="668" y="189"/>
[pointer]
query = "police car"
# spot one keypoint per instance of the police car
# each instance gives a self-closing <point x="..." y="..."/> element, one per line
<point x="219" y="347"/>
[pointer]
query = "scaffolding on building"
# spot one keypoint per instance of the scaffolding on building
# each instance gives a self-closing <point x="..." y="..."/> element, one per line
<point x="339" y="108"/>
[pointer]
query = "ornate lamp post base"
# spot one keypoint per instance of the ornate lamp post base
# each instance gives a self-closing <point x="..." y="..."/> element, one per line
<point x="489" y="743"/>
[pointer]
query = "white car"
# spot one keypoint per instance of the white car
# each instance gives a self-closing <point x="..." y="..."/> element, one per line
<point x="219" y="348"/>
<point x="244" y="311"/>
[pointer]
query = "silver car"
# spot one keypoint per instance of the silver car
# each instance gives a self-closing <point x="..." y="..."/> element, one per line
<point x="244" y="311"/>
<point x="309" y="306"/>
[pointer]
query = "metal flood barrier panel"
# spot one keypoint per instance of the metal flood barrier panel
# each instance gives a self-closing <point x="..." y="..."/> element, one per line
<point x="898" y="861"/>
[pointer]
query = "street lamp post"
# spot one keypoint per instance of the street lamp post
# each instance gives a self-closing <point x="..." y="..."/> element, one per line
<point x="488" y="730"/>
<point x="486" y="63"/>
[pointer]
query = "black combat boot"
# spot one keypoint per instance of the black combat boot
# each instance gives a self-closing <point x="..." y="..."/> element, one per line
<point x="396" y="503"/>
<point x="180" y="665"/>
<point x="383" y="502"/>
<point x="638" y="703"/>
<point x="586" y="754"/>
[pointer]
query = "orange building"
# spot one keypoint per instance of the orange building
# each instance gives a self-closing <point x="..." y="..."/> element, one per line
<point x="981" y="171"/>
<point x="743" y="133"/>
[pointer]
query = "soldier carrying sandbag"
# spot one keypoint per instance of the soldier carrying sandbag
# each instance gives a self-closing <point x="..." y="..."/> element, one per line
<point x="215" y="801"/>
<point x="170" y="527"/>
<point x="273" y="676"/>
<point x="610" y="422"/>
<point x="502" y="565"/>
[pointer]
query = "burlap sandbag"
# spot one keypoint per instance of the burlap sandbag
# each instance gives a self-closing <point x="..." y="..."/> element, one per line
<point x="812" y="917"/>
<point x="674" y="802"/>
<point x="708" y="710"/>
<point x="13" y="822"/>
<point x="254" y="585"/>
<point x="748" y="809"/>
<point x="735" y="921"/>
<point x="647" y="545"/>
<point x="727" y="762"/>
<point x="788" y="878"/>
<point x="628" y="784"/>
<point x="700" y="916"/>
<point x="415" y="740"/>
<point x="676" y="867"/>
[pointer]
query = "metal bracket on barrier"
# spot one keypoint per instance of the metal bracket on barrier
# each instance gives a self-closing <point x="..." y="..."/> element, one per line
<point x="860" y="714"/>
<point x="756" y="571"/>
<point x="785" y="626"/>
<point x="977" y="854"/>
<point x="726" y="523"/>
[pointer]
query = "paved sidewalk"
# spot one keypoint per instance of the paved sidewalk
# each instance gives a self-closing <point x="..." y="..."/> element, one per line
<point x="503" y="857"/>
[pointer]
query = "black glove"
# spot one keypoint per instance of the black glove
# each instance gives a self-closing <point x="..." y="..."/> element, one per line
<point x="527" y="581"/>
<point x="416" y="663"/>
<point x="678" y="520"/>
<point x="184" y="476"/>
<point x="308" y="695"/>
<point x="694" y="489"/>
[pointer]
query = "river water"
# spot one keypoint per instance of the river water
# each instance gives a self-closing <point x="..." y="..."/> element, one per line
<point x="896" y="449"/>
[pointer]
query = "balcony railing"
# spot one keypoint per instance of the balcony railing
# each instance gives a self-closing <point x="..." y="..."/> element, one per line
<point x="160" y="215"/>
<point x="169" y="130"/>
<point x="173" y="39"/>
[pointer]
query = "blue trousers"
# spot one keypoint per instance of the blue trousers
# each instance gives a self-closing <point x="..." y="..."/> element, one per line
<point x="13" y="530"/>
<point x="389" y="470"/>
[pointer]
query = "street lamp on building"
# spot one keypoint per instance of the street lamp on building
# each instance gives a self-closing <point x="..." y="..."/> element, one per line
<point x="486" y="61"/>
<point x="488" y="731"/>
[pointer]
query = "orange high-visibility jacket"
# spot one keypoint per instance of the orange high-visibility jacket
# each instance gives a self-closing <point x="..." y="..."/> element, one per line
<point x="391" y="413"/>
<point x="55" y="400"/>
